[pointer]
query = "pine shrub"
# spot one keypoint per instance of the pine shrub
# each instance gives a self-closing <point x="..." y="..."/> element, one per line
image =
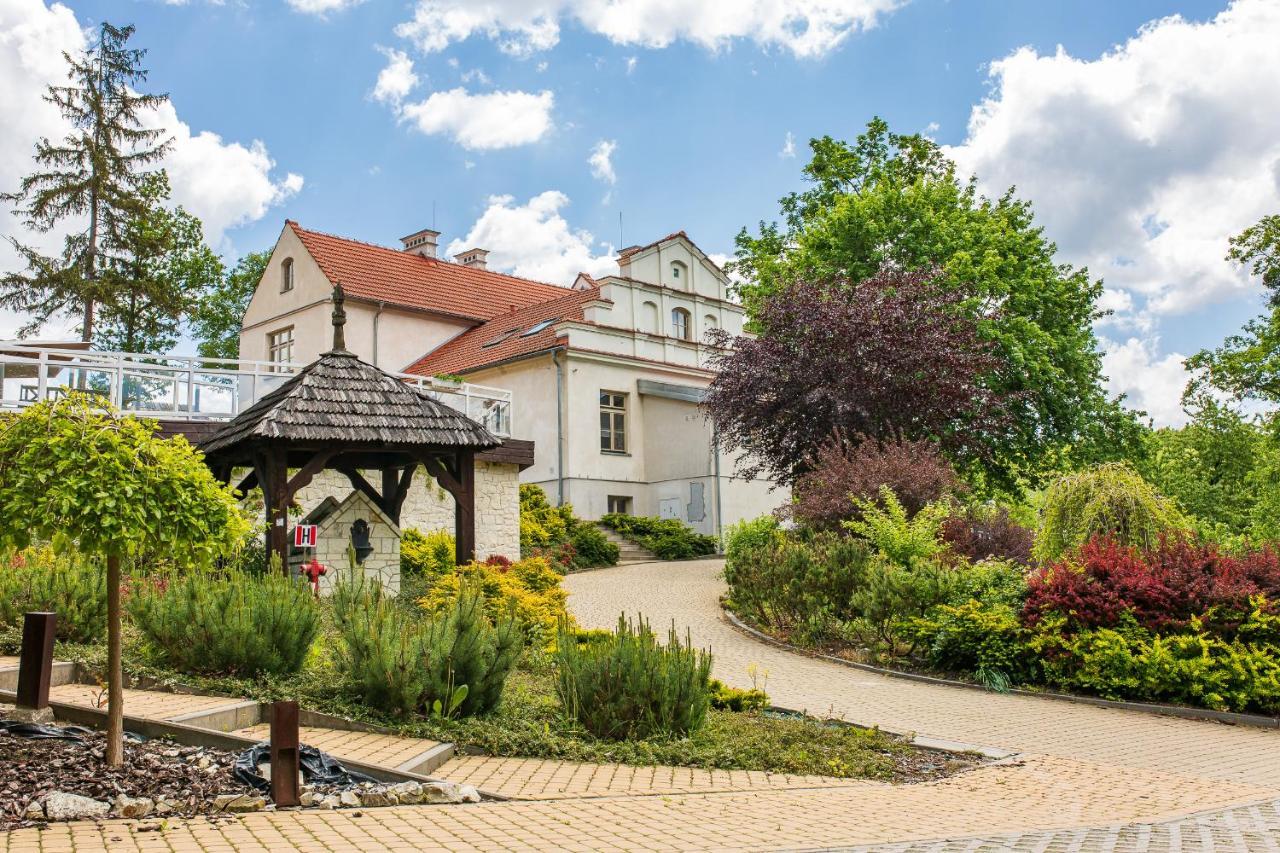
<point x="592" y="548"/>
<point x="227" y="623"/>
<point x="631" y="686"/>
<point x="456" y="657"/>
<point x="667" y="538"/>
<point x="72" y="585"/>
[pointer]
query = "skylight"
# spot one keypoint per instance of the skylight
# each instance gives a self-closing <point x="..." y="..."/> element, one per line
<point x="537" y="327"/>
<point x="500" y="338"/>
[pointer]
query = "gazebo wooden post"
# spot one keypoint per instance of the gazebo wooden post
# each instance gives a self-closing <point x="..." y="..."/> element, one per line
<point x="464" y="517"/>
<point x="274" y="478"/>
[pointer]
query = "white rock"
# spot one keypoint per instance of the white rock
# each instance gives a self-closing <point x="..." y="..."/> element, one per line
<point x="348" y="799"/>
<point x="239" y="803"/>
<point x="163" y="807"/>
<point x="308" y="799"/>
<point x="375" y="797"/>
<point x="60" y="805"/>
<point x="203" y="762"/>
<point x="409" y="793"/>
<point x="35" y="811"/>
<point x="331" y="801"/>
<point x="133" y="807"/>
<point x="441" y="792"/>
<point x="172" y="753"/>
<point x="470" y="794"/>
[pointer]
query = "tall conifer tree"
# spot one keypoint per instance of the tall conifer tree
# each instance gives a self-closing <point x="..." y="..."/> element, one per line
<point x="87" y="183"/>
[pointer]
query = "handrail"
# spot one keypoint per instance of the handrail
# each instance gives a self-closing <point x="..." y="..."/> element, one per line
<point x="193" y="387"/>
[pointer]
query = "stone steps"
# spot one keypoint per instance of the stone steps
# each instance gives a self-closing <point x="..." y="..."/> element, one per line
<point x="628" y="551"/>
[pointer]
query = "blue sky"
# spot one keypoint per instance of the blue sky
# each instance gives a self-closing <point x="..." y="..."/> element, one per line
<point x="1086" y="110"/>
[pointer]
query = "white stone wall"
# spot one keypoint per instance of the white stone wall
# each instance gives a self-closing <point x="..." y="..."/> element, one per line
<point x="429" y="507"/>
<point x="334" y="535"/>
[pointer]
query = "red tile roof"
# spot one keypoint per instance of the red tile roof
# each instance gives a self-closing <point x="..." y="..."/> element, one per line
<point x="468" y="351"/>
<point x="403" y="278"/>
<point x="631" y="250"/>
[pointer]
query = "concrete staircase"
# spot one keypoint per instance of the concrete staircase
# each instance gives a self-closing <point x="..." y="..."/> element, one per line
<point x="628" y="551"/>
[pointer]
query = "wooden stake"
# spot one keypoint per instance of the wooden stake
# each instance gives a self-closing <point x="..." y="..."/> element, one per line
<point x="284" y="754"/>
<point x="35" y="668"/>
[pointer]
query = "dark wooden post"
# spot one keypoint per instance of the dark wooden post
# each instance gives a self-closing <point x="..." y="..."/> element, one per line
<point x="35" y="667"/>
<point x="284" y="753"/>
<point x="464" y="519"/>
<point x="273" y="476"/>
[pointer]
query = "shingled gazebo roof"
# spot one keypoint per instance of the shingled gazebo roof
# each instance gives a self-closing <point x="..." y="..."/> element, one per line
<point x="339" y="399"/>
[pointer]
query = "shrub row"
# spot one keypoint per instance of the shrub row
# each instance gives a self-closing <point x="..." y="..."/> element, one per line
<point x="667" y="538"/>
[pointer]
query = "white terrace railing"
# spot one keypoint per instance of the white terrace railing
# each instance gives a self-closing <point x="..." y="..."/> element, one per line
<point x="169" y="387"/>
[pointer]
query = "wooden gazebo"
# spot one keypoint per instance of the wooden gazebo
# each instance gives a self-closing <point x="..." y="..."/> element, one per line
<point x="344" y="414"/>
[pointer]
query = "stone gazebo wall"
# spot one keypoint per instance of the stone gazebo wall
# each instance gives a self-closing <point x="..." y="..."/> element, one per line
<point x="428" y="507"/>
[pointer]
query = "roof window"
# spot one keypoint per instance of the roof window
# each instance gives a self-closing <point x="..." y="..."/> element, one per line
<point x="538" y="327"/>
<point x="500" y="338"/>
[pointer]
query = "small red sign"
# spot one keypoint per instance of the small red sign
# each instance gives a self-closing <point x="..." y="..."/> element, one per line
<point x="304" y="535"/>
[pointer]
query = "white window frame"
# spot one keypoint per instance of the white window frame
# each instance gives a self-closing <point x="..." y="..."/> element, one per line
<point x="280" y="346"/>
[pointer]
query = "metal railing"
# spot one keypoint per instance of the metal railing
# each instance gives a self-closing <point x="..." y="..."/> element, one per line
<point x="172" y="387"/>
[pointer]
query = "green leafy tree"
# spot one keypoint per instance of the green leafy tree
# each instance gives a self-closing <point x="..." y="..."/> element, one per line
<point x="1247" y="365"/>
<point x="895" y="201"/>
<point x="90" y="181"/>
<point x="1208" y="466"/>
<point x="106" y="485"/>
<point x="161" y="269"/>
<point x="217" y="318"/>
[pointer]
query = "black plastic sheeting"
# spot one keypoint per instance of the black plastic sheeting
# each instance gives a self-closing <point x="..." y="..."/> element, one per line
<point x="36" y="731"/>
<point x="318" y="768"/>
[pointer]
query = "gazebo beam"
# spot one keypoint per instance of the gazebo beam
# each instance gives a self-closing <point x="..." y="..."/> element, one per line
<point x="461" y="483"/>
<point x="395" y="488"/>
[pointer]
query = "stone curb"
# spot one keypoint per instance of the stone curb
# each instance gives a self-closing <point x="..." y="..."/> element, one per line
<point x="1228" y="717"/>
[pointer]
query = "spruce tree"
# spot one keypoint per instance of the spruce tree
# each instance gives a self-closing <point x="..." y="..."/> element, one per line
<point x="88" y="182"/>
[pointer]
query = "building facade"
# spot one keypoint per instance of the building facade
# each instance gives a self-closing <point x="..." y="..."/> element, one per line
<point x="606" y="375"/>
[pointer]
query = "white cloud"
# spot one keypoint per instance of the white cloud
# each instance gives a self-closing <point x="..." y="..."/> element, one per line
<point x="491" y="120"/>
<point x="476" y="75"/>
<point x="601" y="161"/>
<point x="319" y="8"/>
<point x="225" y="183"/>
<point x="806" y="28"/>
<point x="788" y="146"/>
<point x="535" y="241"/>
<point x="397" y="79"/>
<point x="1144" y="161"/>
<point x="1151" y="381"/>
<point x="631" y="64"/>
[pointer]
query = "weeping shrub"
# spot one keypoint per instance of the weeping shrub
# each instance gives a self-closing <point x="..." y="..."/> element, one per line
<point x="455" y="662"/>
<point x="1109" y="501"/>
<point x="232" y="622"/>
<point x="72" y="585"/>
<point x="630" y="686"/>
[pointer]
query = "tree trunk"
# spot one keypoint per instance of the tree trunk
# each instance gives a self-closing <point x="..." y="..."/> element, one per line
<point x="115" y="691"/>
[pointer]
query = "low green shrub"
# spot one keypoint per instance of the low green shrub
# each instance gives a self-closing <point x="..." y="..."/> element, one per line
<point x="456" y="661"/>
<point x="977" y="637"/>
<point x="229" y="622"/>
<point x="750" y="534"/>
<point x="632" y="686"/>
<point x="890" y="596"/>
<point x="426" y="554"/>
<point x="592" y="548"/>
<point x="667" y="538"/>
<point x="541" y="524"/>
<point x="72" y="585"/>
<point x="726" y="698"/>
<point x="903" y="538"/>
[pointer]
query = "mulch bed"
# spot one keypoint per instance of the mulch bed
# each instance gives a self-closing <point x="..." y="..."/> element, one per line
<point x="30" y="769"/>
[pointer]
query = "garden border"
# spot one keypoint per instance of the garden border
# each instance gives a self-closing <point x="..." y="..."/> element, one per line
<point x="1183" y="711"/>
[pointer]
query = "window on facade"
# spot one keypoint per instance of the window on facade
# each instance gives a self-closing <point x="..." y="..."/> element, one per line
<point x="286" y="275"/>
<point x="619" y="504"/>
<point x="680" y="275"/>
<point x="280" y="346"/>
<point x="710" y="321"/>
<point x="681" y="327"/>
<point x="613" y="422"/>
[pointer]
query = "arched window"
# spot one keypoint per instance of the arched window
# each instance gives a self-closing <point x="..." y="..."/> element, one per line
<point x="679" y="275"/>
<point x="286" y="275"/>
<point x="649" y="318"/>
<point x="680" y="325"/>
<point x="710" y="322"/>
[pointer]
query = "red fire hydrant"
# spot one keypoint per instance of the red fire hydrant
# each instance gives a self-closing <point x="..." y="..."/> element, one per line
<point x="314" y="571"/>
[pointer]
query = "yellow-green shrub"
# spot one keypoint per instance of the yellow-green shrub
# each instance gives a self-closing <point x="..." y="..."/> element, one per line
<point x="426" y="554"/>
<point x="530" y="585"/>
<point x="542" y="524"/>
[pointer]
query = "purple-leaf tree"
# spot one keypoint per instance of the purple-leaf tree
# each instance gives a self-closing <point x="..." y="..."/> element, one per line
<point x="894" y="357"/>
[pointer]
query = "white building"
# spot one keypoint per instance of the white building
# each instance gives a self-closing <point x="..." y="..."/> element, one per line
<point x="605" y="375"/>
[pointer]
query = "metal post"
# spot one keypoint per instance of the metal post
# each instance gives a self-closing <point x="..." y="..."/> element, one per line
<point x="36" y="664"/>
<point x="284" y="753"/>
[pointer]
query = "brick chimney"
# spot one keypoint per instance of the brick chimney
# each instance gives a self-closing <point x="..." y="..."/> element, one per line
<point x="422" y="242"/>
<point x="473" y="258"/>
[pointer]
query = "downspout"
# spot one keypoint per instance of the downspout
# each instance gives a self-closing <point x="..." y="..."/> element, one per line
<point x="376" y="315"/>
<point x="715" y="454"/>
<point x="555" y="360"/>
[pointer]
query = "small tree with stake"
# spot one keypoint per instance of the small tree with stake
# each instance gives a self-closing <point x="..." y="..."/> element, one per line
<point x="87" y="478"/>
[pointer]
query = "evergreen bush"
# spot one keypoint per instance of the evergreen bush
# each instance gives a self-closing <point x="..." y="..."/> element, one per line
<point x="903" y="538"/>
<point x="667" y="538"/>
<point x="1110" y="501"/>
<point x="426" y="554"/>
<point x="592" y="548"/>
<point x="231" y="623"/>
<point x="454" y="662"/>
<point x="631" y="686"/>
<point x="72" y="585"/>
